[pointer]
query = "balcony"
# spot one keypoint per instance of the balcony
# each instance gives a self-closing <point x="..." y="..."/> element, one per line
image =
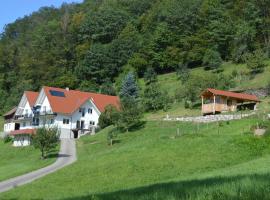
<point x="24" y="117"/>
<point x="45" y="112"/>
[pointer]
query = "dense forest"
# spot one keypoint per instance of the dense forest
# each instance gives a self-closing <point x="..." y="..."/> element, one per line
<point x="92" y="45"/>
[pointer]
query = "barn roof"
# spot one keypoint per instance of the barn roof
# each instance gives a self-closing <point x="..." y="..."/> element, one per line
<point x="11" y="112"/>
<point x="241" y="96"/>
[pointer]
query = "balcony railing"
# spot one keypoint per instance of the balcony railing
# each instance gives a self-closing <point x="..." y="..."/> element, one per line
<point x="24" y="117"/>
<point x="45" y="112"/>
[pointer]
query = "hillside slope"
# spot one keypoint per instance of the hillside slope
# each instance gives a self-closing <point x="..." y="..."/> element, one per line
<point x="155" y="163"/>
<point x="88" y="46"/>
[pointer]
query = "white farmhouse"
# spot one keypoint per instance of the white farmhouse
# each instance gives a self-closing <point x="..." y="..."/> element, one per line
<point x="73" y="112"/>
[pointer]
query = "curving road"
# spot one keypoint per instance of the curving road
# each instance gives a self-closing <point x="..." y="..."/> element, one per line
<point x="66" y="156"/>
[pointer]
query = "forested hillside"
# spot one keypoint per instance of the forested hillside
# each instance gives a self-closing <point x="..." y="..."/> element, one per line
<point x="91" y="45"/>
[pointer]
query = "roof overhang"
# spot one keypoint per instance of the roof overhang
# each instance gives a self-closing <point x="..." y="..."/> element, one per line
<point x="23" y="132"/>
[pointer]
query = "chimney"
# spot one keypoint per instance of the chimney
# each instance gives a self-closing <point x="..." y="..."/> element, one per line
<point x="67" y="88"/>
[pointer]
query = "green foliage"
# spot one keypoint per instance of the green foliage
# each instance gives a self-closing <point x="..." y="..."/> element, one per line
<point x="129" y="89"/>
<point x="191" y="90"/>
<point x="130" y="115"/>
<point x="183" y="72"/>
<point x="155" y="98"/>
<point x="211" y="59"/>
<point x="7" y="139"/>
<point x="107" y="88"/>
<point x="84" y="45"/>
<point x="150" y="76"/>
<point x="45" y="139"/>
<point x="109" y="117"/>
<point x="108" y="22"/>
<point x="255" y="61"/>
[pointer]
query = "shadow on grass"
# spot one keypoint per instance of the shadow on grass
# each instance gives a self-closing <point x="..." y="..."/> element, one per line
<point x="219" y="188"/>
<point x="137" y="126"/>
<point x="54" y="154"/>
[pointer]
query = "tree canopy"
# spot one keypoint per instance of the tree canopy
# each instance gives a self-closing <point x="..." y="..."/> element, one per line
<point x="86" y="45"/>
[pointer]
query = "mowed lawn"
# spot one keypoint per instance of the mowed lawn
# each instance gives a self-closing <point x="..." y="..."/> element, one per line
<point x="210" y="161"/>
<point x="15" y="161"/>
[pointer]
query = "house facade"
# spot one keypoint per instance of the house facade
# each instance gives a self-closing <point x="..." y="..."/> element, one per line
<point x="73" y="112"/>
<point x="218" y="101"/>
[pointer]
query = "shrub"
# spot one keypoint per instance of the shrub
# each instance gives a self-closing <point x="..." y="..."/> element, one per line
<point x="183" y="72"/>
<point x="212" y="59"/>
<point x="108" y="117"/>
<point x="179" y="94"/>
<point x="155" y="98"/>
<point x="7" y="139"/>
<point x="255" y="61"/>
<point x="45" y="140"/>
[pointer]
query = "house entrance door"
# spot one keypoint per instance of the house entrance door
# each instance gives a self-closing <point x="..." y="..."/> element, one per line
<point x="82" y="125"/>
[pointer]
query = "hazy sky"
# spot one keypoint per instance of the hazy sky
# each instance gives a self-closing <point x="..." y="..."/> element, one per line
<point x="10" y="10"/>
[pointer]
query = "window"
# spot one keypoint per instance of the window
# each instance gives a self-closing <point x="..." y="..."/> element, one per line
<point x="92" y="123"/>
<point x="90" y="111"/>
<point x="65" y="121"/>
<point x="24" y="124"/>
<point x="82" y="110"/>
<point x="218" y="99"/>
<point x="52" y="121"/>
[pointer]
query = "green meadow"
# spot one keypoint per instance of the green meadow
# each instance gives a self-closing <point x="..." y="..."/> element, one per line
<point x="15" y="161"/>
<point x="163" y="160"/>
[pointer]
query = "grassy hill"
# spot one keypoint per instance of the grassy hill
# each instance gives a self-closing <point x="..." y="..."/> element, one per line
<point x="170" y="83"/>
<point x="204" y="162"/>
<point x="17" y="161"/>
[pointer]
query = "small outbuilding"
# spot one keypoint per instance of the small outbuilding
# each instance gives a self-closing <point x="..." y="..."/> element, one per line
<point x="9" y="124"/>
<point x="22" y="137"/>
<point x="217" y="101"/>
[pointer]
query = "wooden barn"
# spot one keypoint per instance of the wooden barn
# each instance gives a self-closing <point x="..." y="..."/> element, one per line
<point x="217" y="101"/>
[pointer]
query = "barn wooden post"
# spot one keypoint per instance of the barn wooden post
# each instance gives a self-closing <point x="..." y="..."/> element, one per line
<point x="202" y="104"/>
<point x="214" y="105"/>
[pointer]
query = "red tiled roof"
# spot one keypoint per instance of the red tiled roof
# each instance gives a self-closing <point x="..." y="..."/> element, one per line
<point x="23" y="131"/>
<point x="11" y="112"/>
<point x="74" y="99"/>
<point x="235" y="95"/>
<point x="31" y="97"/>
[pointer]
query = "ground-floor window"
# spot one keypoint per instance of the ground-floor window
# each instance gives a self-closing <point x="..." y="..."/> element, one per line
<point x="65" y="121"/>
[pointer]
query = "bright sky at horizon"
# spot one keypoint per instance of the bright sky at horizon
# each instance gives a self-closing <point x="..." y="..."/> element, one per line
<point x="11" y="10"/>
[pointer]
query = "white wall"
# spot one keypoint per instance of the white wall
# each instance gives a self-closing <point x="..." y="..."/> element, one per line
<point x="26" y="124"/>
<point x="77" y="116"/>
<point x="45" y="106"/>
<point x="27" y="109"/>
<point x="21" y="140"/>
<point x="9" y="127"/>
